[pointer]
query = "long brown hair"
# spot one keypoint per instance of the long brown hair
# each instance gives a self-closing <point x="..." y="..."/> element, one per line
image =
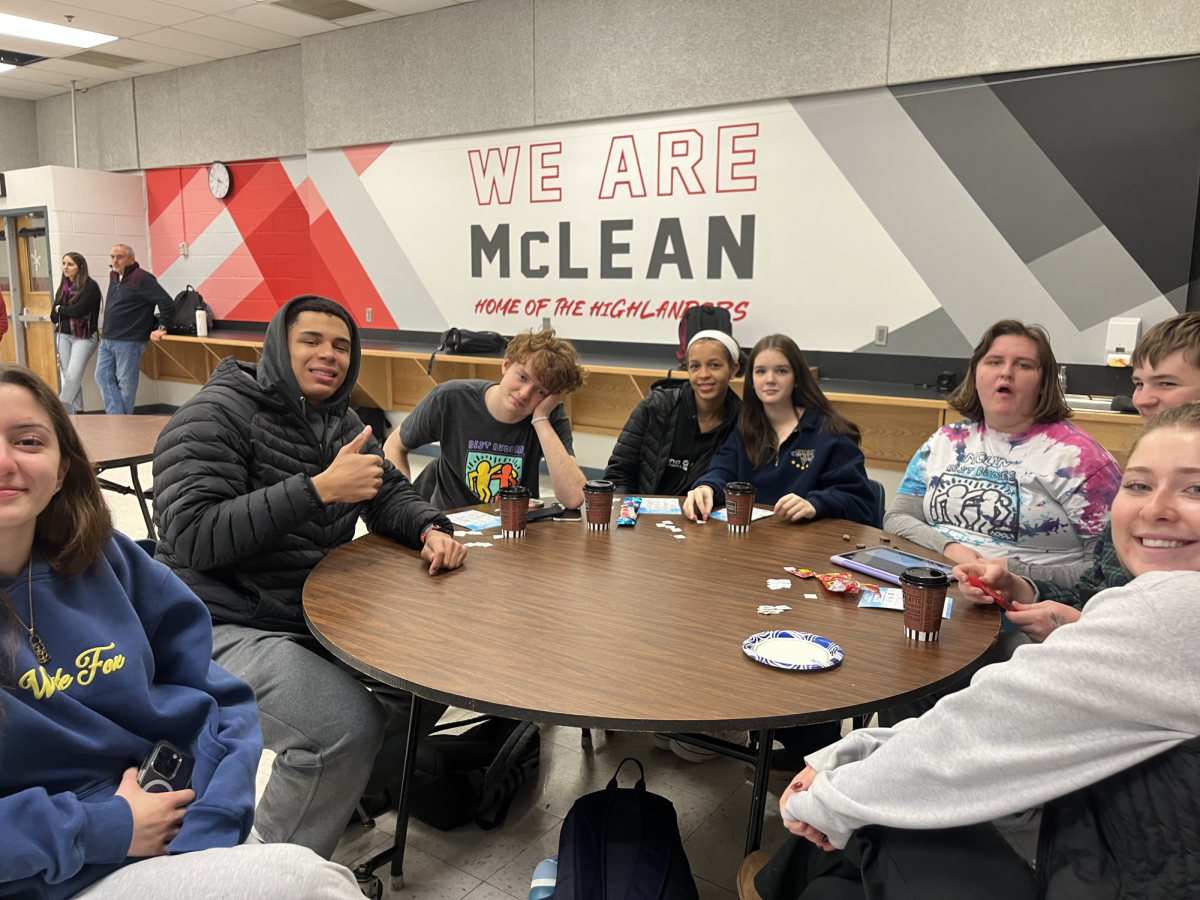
<point x="1051" y="405"/>
<point x="72" y="529"/>
<point x="79" y="281"/>
<point x="753" y="425"/>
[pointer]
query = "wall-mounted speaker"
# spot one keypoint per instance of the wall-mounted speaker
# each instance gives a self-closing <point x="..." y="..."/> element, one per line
<point x="3" y="187"/>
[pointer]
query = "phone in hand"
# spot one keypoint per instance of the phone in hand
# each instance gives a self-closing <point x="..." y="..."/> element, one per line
<point x="165" y="768"/>
<point x="1006" y="605"/>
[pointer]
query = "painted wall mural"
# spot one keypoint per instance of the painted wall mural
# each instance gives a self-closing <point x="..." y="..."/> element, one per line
<point x="1063" y="198"/>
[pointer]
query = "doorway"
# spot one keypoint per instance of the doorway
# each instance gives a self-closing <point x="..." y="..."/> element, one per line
<point x="27" y="286"/>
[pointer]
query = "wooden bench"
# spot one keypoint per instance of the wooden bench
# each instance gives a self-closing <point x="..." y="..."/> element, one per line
<point x="393" y="377"/>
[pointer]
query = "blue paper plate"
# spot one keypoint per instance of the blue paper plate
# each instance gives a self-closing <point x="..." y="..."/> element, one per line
<point x="795" y="650"/>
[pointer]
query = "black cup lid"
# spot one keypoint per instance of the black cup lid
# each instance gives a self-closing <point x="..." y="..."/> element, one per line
<point x="598" y="486"/>
<point x="520" y="492"/>
<point x="739" y="487"/>
<point x="924" y="577"/>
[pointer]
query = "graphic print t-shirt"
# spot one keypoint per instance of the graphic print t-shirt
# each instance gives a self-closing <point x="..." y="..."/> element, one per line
<point x="1042" y="496"/>
<point x="480" y="455"/>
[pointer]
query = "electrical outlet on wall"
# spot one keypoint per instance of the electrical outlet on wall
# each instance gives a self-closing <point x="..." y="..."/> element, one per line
<point x="368" y="315"/>
<point x="183" y="249"/>
<point x="881" y="333"/>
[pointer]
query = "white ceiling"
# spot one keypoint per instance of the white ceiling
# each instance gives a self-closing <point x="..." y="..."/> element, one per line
<point x="167" y="34"/>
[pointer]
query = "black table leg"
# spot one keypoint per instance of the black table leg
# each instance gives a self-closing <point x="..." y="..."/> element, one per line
<point x="141" y="496"/>
<point x="395" y="853"/>
<point x="410" y="763"/>
<point x="758" y="801"/>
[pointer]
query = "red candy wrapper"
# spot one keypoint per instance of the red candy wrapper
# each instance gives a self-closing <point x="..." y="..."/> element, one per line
<point x="800" y="573"/>
<point x="839" y="583"/>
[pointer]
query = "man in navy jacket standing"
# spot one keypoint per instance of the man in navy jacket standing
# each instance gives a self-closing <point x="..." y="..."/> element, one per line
<point x="127" y="323"/>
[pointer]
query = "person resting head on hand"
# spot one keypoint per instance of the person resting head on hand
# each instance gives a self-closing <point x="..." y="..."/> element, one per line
<point x="800" y="453"/>
<point x="103" y="653"/>
<point x="1099" y="723"/>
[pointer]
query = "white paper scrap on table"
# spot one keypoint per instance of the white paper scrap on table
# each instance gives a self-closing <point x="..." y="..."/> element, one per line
<point x="721" y="514"/>
<point x="660" y="506"/>
<point x="680" y="537"/>
<point x="477" y="544"/>
<point x="460" y="534"/>
<point x="499" y="536"/>
<point x="893" y="598"/>
<point x="474" y="520"/>
<point x="776" y="584"/>
<point x="772" y="610"/>
<point x="810" y="597"/>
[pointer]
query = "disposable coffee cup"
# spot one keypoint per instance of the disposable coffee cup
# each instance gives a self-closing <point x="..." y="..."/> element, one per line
<point x="739" y="505"/>
<point x="924" y="599"/>
<point x="598" y="503"/>
<point x="201" y="323"/>
<point x="514" y="510"/>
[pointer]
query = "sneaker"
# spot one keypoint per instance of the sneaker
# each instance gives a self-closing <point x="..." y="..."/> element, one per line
<point x="750" y="867"/>
<point x="662" y="741"/>
<point x="692" y="753"/>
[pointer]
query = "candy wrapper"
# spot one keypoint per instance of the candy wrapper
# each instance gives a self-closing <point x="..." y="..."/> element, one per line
<point x="800" y="573"/>
<point x="629" y="511"/>
<point x="839" y="583"/>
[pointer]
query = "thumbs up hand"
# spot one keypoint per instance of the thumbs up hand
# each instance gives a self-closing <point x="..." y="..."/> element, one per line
<point x="353" y="476"/>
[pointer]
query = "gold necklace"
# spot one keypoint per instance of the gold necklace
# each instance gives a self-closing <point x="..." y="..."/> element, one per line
<point x="35" y="642"/>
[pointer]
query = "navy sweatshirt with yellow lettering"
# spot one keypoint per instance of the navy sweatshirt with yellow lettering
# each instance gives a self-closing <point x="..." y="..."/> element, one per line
<point x="130" y="664"/>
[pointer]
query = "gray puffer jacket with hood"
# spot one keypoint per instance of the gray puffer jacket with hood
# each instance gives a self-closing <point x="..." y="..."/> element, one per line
<point x="238" y="517"/>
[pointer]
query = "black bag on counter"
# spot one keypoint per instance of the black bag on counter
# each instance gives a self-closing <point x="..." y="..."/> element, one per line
<point x="459" y="340"/>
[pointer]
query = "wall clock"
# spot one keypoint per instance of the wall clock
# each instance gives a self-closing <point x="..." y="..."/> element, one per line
<point x="220" y="180"/>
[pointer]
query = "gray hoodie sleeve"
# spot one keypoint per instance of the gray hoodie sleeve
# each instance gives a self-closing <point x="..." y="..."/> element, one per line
<point x="906" y="517"/>
<point x="1066" y="575"/>
<point x="1099" y="696"/>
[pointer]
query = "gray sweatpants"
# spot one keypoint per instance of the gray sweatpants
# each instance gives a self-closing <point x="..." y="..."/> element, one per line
<point x="258" y="871"/>
<point x="323" y="724"/>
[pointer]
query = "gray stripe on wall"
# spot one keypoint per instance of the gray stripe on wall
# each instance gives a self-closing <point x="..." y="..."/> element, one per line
<point x="381" y="256"/>
<point x="994" y="158"/>
<point x="935" y="222"/>
<point x="1093" y="278"/>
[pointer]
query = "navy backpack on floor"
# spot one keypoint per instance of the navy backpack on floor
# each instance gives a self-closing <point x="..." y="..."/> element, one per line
<point x="623" y="844"/>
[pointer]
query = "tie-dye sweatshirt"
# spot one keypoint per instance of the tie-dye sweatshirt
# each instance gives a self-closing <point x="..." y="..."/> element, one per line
<point x="1042" y="496"/>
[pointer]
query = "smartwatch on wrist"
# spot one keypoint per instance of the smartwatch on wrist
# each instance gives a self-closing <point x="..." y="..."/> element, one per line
<point x="433" y="526"/>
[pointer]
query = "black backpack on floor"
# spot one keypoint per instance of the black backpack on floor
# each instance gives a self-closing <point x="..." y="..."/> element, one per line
<point x="623" y="844"/>
<point x="474" y="776"/>
<point x="702" y="318"/>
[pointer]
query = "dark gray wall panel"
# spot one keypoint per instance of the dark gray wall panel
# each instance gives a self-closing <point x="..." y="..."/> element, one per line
<point x="247" y="107"/>
<point x="597" y="58"/>
<point x="458" y="70"/>
<point x="932" y="39"/>
<point x="18" y="134"/>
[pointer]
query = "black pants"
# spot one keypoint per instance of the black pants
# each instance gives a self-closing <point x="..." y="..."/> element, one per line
<point x="879" y="863"/>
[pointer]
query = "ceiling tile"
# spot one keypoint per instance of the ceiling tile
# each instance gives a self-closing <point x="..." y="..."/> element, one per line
<point x="87" y="19"/>
<point x="366" y="18"/>
<point x="14" y="93"/>
<point x="35" y="72"/>
<point x="195" y="43"/>
<point x="150" y="68"/>
<point x="210" y="7"/>
<point x="151" y="12"/>
<point x="32" y="87"/>
<point x="81" y="70"/>
<point x="139" y="49"/>
<point x="238" y="32"/>
<point x="409" y="7"/>
<point x="282" y="20"/>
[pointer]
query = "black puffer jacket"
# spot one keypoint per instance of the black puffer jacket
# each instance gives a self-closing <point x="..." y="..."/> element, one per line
<point x="640" y="456"/>
<point x="238" y="517"/>
<point x="1133" y="836"/>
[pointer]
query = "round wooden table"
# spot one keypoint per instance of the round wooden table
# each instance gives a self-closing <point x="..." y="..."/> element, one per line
<point x="115" y="441"/>
<point x="630" y="629"/>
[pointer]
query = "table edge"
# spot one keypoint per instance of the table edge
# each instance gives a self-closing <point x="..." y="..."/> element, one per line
<point x="632" y="724"/>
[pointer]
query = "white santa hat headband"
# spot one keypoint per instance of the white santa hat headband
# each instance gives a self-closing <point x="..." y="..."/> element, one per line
<point x="711" y="334"/>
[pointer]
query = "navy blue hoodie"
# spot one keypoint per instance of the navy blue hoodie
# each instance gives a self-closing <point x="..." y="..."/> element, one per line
<point x="825" y="469"/>
<point x="131" y="664"/>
